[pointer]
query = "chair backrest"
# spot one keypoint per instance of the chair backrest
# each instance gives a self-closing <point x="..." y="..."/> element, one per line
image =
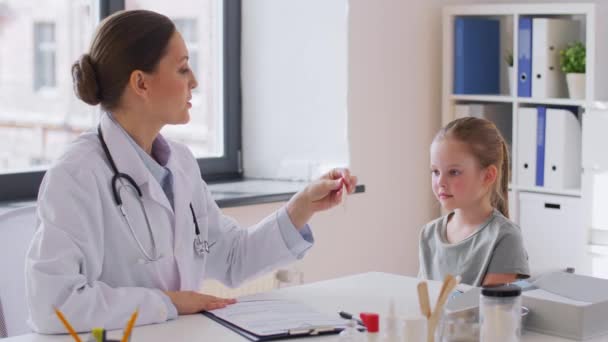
<point x="17" y="228"/>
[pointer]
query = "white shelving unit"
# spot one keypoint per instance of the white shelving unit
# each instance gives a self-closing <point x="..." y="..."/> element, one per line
<point x="509" y="15"/>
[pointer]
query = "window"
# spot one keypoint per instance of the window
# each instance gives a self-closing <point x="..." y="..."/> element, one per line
<point x="40" y="115"/>
<point x="206" y="121"/>
<point x="188" y="29"/>
<point x="44" y="55"/>
<point x="206" y="34"/>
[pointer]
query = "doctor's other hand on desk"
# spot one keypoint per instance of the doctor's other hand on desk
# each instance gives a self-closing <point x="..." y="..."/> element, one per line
<point x="125" y="221"/>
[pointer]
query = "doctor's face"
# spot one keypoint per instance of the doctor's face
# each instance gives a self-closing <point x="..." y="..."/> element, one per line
<point x="171" y="84"/>
<point x="457" y="178"/>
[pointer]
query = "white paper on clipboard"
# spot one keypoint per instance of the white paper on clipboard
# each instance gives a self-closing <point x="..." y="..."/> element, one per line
<point x="264" y="316"/>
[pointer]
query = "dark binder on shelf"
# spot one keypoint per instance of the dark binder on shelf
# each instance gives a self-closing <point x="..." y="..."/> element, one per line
<point x="524" y="58"/>
<point x="274" y="319"/>
<point x="476" y="56"/>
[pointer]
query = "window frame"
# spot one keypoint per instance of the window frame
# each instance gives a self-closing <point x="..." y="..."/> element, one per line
<point x="19" y="186"/>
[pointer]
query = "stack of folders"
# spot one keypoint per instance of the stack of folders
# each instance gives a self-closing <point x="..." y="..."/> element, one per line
<point x="540" y="41"/>
<point x="549" y="148"/>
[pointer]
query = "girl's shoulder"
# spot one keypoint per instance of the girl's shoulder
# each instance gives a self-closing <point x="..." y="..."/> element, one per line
<point x="504" y="225"/>
<point x="431" y="228"/>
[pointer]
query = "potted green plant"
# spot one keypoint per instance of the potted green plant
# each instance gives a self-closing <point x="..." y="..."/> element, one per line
<point x="509" y="61"/>
<point x="572" y="60"/>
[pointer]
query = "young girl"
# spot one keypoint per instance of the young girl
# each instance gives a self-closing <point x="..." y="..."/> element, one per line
<point x="476" y="240"/>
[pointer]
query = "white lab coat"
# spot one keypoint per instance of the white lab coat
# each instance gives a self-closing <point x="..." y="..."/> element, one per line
<point x="84" y="260"/>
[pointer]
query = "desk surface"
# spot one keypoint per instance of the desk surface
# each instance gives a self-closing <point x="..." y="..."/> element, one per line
<point x="358" y="293"/>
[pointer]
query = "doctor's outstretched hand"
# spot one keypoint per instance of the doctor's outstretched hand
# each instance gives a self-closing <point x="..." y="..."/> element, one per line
<point x="322" y="194"/>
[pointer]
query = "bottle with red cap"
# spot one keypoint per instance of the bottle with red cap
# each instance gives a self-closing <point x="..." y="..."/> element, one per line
<point x="372" y="322"/>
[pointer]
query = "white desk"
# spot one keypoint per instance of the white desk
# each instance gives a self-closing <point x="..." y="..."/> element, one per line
<point x="363" y="292"/>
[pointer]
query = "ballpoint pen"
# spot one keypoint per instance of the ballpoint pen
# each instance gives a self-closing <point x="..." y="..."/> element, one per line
<point x="346" y="315"/>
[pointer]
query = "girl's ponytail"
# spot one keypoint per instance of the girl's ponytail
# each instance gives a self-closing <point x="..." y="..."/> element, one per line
<point x="502" y="183"/>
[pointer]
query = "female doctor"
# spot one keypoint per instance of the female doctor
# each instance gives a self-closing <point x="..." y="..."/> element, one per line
<point x="125" y="221"/>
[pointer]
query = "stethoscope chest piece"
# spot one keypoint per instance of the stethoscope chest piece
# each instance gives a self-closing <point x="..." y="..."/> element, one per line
<point x="200" y="247"/>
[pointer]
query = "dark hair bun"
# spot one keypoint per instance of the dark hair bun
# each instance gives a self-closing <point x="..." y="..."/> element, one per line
<point x="84" y="77"/>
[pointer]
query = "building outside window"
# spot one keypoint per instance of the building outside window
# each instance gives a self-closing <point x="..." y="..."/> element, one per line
<point x="187" y="27"/>
<point x="40" y="114"/>
<point x="45" y="52"/>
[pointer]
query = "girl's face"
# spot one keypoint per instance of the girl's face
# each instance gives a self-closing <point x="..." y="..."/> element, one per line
<point x="171" y="84"/>
<point x="457" y="178"/>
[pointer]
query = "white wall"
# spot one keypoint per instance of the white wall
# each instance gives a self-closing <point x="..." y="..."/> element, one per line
<point x="393" y="112"/>
<point x="295" y="82"/>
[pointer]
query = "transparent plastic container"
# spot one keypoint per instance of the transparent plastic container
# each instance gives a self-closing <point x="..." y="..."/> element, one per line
<point x="458" y="327"/>
<point x="500" y="314"/>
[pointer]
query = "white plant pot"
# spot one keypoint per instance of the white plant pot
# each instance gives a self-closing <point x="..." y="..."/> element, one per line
<point x="576" y="85"/>
<point x="511" y="82"/>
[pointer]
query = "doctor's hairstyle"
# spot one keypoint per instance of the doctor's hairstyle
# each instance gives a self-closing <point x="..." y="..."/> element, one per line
<point x="488" y="147"/>
<point x="123" y="42"/>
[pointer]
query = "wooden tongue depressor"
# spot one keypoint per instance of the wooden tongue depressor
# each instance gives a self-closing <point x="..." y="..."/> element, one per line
<point x="449" y="284"/>
<point x="423" y="299"/>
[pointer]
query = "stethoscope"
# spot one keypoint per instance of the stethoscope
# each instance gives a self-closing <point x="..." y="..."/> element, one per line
<point x="200" y="246"/>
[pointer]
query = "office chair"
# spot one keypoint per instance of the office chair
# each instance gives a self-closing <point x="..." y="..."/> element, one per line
<point x="17" y="227"/>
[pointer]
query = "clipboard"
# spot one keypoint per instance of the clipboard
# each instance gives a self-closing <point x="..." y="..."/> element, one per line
<point x="305" y="329"/>
<point x="290" y="334"/>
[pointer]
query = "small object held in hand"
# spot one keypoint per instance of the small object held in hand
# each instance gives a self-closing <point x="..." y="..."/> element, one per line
<point x="344" y="190"/>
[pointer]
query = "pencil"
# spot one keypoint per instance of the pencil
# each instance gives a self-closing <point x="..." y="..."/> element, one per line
<point x="125" y="336"/>
<point x="67" y="325"/>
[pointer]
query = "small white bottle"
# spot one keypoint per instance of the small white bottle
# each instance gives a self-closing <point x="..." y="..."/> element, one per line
<point x="371" y="321"/>
<point x="390" y="332"/>
<point x="415" y="329"/>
